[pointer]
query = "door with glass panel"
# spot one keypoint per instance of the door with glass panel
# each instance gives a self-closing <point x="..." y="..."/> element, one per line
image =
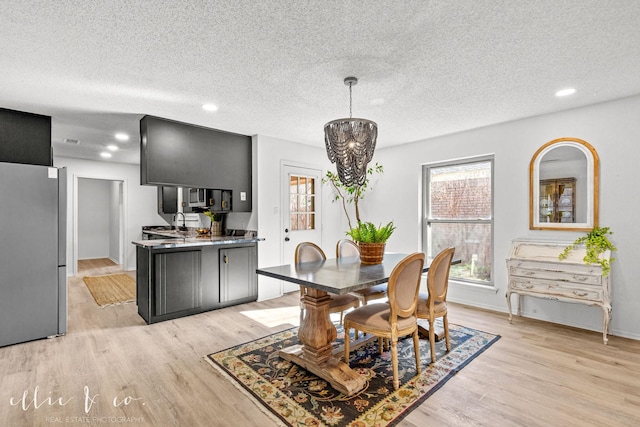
<point x="300" y="212"/>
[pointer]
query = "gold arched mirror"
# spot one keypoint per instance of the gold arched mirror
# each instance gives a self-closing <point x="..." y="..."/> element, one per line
<point x="563" y="186"/>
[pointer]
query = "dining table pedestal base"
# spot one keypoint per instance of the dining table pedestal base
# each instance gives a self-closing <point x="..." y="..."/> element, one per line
<point x="316" y="354"/>
<point x="424" y="333"/>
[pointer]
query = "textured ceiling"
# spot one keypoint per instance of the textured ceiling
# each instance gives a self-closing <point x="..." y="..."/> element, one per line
<point x="275" y="68"/>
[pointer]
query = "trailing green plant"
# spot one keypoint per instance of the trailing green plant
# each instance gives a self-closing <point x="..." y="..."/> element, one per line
<point x="596" y="243"/>
<point x="367" y="232"/>
<point x="351" y="194"/>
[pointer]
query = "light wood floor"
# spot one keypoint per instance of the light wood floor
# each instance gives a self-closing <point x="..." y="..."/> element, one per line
<point x="537" y="374"/>
<point x="97" y="264"/>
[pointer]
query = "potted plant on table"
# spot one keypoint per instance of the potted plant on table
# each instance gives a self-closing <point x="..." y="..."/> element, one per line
<point x="371" y="240"/>
<point x="596" y="243"/>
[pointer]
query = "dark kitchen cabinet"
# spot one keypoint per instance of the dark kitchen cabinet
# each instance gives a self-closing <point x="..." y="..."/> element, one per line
<point x="177" y="282"/>
<point x="168" y="283"/>
<point x="219" y="200"/>
<point x="25" y="138"/>
<point x="174" y="282"/>
<point x="238" y="281"/>
<point x="167" y="200"/>
<point x="183" y="155"/>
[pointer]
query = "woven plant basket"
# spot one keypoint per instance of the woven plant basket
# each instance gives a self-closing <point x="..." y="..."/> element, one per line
<point x="371" y="253"/>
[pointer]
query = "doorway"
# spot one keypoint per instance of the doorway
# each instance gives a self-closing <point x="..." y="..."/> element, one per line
<point x="99" y="223"/>
<point x="301" y="208"/>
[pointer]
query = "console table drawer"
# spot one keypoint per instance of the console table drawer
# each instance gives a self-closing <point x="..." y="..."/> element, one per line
<point x="562" y="276"/>
<point x="554" y="289"/>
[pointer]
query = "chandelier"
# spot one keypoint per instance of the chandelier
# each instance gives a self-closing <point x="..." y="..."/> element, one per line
<point x="350" y="144"/>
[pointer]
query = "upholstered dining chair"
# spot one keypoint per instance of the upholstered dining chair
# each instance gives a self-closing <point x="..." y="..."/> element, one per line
<point x="310" y="252"/>
<point x="434" y="304"/>
<point x="348" y="248"/>
<point x="395" y="319"/>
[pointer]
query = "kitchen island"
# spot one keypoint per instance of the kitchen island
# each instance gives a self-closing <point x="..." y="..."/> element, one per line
<point x="181" y="273"/>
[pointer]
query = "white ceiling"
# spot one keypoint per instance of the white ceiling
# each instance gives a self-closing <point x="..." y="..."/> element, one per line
<point x="276" y="68"/>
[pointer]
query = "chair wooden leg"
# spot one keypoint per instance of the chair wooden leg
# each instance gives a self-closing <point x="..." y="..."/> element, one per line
<point x="416" y="349"/>
<point x="394" y="362"/>
<point x="341" y="314"/>
<point x="432" y="340"/>
<point x="380" y="345"/>
<point x="445" y="321"/>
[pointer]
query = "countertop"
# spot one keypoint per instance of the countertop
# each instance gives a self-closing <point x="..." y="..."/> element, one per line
<point x="183" y="239"/>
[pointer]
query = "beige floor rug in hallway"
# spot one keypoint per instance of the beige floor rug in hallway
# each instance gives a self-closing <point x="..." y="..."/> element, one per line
<point x="111" y="289"/>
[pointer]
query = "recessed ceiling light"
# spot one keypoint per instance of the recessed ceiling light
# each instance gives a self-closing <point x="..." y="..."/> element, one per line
<point x="209" y="107"/>
<point x="121" y="136"/>
<point x="105" y="154"/>
<point x="566" y="92"/>
<point x="112" y="147"/>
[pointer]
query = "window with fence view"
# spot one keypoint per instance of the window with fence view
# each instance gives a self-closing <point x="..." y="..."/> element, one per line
<point x="458" y="202"/>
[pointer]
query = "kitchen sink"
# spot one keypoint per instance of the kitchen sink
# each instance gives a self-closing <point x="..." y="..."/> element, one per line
<point x="169" y="232"/>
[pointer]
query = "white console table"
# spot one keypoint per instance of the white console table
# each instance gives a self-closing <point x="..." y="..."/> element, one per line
<point x="535" y="270"/>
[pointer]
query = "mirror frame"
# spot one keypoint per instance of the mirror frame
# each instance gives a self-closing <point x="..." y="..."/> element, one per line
<point x="593" y="174"/>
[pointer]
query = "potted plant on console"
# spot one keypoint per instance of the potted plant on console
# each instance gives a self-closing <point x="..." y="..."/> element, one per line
<point x="596" y="243"/>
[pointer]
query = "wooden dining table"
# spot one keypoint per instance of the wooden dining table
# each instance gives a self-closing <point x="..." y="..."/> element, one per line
<point x="317" y="333"/>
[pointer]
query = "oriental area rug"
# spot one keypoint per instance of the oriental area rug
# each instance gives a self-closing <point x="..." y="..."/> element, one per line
<point x="111" y="289"/>
<point x="294" y="396"/>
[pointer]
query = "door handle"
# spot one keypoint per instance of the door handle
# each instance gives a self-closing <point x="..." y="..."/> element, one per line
<point x="286" y="239"/>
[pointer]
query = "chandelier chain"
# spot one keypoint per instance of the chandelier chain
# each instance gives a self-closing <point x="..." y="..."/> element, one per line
<point x="350" y="102"/>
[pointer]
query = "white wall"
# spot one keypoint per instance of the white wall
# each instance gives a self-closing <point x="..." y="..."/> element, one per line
<point x="93" y="218"/>
<point x="115" y="207"/>
<point x="140" y="202"/>
<point x="612" y="128"/>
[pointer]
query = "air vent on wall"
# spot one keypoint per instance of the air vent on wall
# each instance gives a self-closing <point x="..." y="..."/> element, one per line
<point x="71" y="141"/>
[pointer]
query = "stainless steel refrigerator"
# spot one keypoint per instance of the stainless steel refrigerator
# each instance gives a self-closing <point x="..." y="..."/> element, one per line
<point x="33" y="274"/>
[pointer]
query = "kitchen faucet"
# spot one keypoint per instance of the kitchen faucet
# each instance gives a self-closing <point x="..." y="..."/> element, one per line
<point x="175" y="220"/>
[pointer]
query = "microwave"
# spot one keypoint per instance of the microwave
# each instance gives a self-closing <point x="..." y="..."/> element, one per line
<point x="197" y="198"/>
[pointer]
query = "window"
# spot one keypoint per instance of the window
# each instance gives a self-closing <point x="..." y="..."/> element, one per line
<point x="302" y="202"/>
<point x="458" y="211"/>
